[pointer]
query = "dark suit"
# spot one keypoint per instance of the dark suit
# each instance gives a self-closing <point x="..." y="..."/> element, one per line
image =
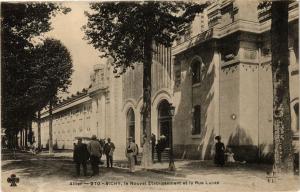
<point x="80" y="157"/>
<point x="108" y="150"/>
<point x="160" y="147"/>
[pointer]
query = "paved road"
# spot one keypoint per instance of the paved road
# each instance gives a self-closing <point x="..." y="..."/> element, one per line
<point x="45" y="173"/>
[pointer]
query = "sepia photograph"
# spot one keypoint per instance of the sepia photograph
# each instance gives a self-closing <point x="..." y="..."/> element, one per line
<point x="196" y="95"/>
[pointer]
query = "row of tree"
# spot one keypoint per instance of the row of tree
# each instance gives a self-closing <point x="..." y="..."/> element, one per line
<point x="34" y="70"/>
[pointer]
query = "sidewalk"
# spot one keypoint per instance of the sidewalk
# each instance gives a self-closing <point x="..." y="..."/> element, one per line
<point x="183" y="167"/>
<point x="201" y="175"/>
<point x="189" y="168"/>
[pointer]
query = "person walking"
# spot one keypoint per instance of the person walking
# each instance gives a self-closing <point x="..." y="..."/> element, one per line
<point x="109" y="149"/>
<point x="95" y="151"/>
<point x="130" y="151"/>
<point x="220" y="150"/>
<point x="80" y="157"/>
<point x="153" y="143"/>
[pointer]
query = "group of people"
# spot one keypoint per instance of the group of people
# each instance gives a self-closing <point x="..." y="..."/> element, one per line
<point x="95" y="148"/>
<point x="92" y="151"/>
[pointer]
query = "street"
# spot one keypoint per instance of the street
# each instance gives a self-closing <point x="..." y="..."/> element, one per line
<point x="48" y="173"/>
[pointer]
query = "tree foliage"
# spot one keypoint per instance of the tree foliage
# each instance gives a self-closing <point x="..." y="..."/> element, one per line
<point x="20" y="24"/>
<point x="53" y="68"/>
<point x="119" y="29"/>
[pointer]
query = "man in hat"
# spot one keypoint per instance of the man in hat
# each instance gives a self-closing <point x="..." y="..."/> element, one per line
<point x="80" y="157"/>
<point x="95" y="151"/>
<point x="109" y="149"/>
<point x="130" y="151"/>
<point x="136" y="152"/>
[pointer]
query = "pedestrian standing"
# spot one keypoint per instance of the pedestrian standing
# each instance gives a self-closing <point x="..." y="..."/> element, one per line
<point x="160" y="147"/>
<point x="220" y="150"/>
<point x="153" y="143"/>
<point x="109" y="149"/>
<point x="80" y="157"/>
<point x="136" y="153"/>
<point x="130" y="151"/>
<point x="95" y="151"/>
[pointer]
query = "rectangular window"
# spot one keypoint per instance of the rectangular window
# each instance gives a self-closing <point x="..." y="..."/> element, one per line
<point x="196" y="120"/>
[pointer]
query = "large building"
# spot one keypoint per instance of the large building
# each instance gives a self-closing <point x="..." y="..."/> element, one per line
<point x="217" y="76"/>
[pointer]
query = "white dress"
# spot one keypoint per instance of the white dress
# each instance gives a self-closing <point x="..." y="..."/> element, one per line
<point x="230" y="158"/>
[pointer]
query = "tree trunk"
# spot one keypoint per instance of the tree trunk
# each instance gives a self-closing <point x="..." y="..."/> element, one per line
<point x="50" y="128"/>
<point x="23" y="132"/>
<point x="147" y="149"/>
<point x="26" y="135"/>
<point x="282" y="135"/>
<point x="30" y="133"/>
<point x="21" y="138"/>
<point x="15" y="139"/>
<point x="39" y="130"/>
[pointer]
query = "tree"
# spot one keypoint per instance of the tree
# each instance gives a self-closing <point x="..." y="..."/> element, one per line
<point x="20" y="23"/>
<point x="126" y="31"/>
<point x="282" y="134"/>
<point x="283" y="154"/>
<point x="54" y="72"/>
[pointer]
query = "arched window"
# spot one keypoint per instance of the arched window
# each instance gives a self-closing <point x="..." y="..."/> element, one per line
<point x="196" y="120"/>
<point x="131" y="123"/>
<point x="196" y="71"/>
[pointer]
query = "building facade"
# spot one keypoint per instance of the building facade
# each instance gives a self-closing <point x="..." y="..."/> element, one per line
<point x="218" y="78"/>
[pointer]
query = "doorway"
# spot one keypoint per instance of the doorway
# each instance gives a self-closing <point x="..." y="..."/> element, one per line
<point x="164" y="121"/>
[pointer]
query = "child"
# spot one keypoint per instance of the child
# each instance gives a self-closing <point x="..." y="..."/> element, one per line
<point x="230" y="155"/>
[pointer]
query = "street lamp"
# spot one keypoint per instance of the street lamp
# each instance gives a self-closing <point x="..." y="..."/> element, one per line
<point x="171" y="163"/>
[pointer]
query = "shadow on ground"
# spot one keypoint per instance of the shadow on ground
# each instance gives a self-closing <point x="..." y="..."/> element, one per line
<point x="208" y="167"/>
<point x="33" y="166"/>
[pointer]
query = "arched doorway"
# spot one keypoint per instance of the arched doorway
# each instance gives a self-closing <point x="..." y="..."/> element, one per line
<point x="130" y="123"/>
<point x="164" y="120"/>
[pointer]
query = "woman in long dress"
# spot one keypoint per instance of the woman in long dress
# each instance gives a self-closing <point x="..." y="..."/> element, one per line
<point x="220" y="150"/>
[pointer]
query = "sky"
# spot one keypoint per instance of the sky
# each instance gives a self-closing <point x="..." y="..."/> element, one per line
<point x="67" y="29"/>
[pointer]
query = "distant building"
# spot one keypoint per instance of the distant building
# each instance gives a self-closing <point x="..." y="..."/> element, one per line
<point x="217" y="76"/>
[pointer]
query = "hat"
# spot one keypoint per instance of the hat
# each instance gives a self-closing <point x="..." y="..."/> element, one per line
<point x="130" y="138"/>
<point x="94" y="137"/>
<point x="218" y="137"/>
